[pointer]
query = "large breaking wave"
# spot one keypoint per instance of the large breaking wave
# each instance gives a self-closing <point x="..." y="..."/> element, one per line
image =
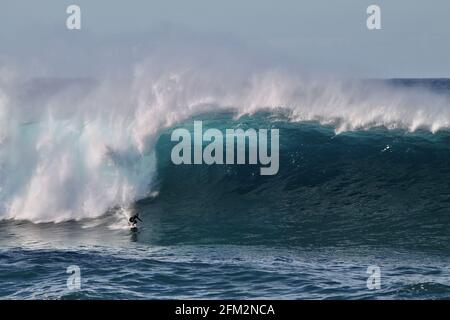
<point x="72" y="149"/>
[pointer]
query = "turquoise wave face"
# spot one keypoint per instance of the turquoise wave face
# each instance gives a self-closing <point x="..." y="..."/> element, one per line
<point x="367" y="187"/>
<point x="373" y="187"/>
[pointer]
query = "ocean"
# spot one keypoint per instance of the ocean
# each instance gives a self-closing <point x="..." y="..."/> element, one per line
<point x="363" y="182"/>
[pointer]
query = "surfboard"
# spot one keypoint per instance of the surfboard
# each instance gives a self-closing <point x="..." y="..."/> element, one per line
<point x="133" y="227"/>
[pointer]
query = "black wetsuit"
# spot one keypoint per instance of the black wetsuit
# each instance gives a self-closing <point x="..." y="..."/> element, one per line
<point x="133" y="219"/>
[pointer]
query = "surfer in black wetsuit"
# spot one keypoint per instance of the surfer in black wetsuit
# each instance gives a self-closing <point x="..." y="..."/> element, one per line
<point x="134" y="219"/>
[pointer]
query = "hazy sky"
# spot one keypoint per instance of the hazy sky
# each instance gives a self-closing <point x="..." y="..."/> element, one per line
<point x="316" y="35"/>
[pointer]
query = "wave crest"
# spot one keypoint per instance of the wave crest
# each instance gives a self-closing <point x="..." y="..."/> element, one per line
<point x="71" y="149"/>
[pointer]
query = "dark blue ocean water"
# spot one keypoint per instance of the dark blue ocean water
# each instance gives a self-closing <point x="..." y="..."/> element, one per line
<point x="339" y="204"/>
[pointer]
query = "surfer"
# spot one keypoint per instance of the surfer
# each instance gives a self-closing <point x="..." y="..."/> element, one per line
<point x="134" y="219"/>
